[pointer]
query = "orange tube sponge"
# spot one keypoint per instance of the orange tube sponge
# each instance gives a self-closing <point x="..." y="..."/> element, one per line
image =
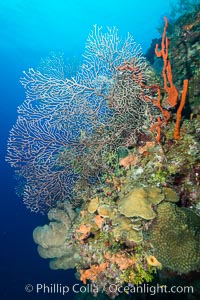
<point x="179" y="111"/>
<point x="167" y="70"/>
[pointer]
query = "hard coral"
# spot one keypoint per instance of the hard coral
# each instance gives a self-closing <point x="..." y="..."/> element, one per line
<point x="175" y="236"/>
<point x="93" y="205"/>
<point x="124" y="230"/>
<point x="138" y="203"/>
<point x="104" y="211"/>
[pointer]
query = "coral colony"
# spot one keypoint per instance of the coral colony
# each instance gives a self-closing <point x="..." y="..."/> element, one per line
<point x="101" y="154"/>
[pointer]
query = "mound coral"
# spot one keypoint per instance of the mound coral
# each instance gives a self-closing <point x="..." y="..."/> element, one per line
<point x="93" y="205"/>
<point x="175" y="236"/>
<point x="125" y="230"/>
<point x="138" y="203"/>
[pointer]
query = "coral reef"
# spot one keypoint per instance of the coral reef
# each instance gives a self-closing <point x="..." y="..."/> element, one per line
<point x="111" y="227"/>
<point x="110" y="155"/>
<point x="129" y="225"/>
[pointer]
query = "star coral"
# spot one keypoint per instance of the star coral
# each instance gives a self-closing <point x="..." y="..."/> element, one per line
<point x="175" y="236"/>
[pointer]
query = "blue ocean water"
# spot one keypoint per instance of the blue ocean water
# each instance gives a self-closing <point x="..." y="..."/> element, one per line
<point x="29" y="30"/>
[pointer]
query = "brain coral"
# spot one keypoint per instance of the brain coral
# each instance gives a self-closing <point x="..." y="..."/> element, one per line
<point x="175" y="236"/>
